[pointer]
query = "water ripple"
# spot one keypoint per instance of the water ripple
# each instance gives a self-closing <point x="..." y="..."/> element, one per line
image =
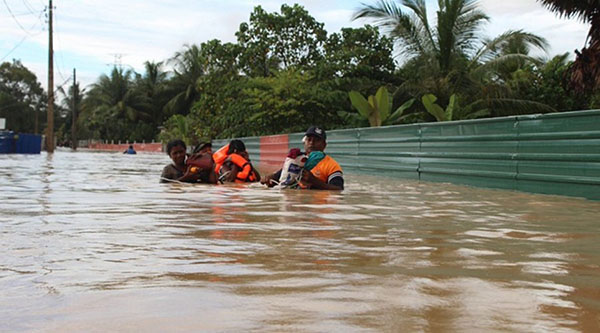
<point x="86" y="233"/>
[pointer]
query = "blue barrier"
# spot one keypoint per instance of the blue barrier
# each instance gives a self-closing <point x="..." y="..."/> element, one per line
<point x="20" y="143"/>
<point x="28" y="144"/>
<point x="7" y="142"/>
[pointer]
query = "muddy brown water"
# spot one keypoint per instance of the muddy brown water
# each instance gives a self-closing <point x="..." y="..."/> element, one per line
<point x="91" y="242"/>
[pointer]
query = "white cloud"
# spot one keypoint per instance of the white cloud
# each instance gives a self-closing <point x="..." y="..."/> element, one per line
<point x="563" y="35"/>
<point x="509" y="6"/>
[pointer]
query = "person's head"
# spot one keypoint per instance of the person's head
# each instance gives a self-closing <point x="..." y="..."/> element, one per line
<point x="314" y="139"/>
<point x="203" y="147"/>
<point x="130" y="146"/>
<point x="236" y="146"/>
<point x="176" y="150"/>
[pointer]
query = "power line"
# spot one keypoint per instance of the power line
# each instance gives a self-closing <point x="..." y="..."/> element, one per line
<point x="24" y="38"/>
<point x="28" y="6"/>
<point x="33" y="11"/>
<point x="59" y="43"/>
<point x="55" y="91"/>
<point x="14" y="48"/>
<point x="14" y="18"/>
<point x="58" y="87"/>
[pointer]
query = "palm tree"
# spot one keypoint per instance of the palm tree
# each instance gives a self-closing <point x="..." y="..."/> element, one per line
<point x="452" y="57"/>
<point x="113" y="106"/>
<point x="152" y="85"/>
<point x="584" y="74"/>
<point x="154" y="78"/>
<point x="189" y="67"/>
<point x="71" y="102"/>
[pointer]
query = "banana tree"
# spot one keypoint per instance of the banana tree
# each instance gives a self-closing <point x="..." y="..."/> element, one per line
<point x="377" y="109"/>
<point x="437" y="111"/>
<point x="453" y="110"/>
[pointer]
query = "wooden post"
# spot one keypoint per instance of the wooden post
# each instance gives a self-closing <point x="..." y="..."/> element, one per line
<point x="74" y="122"/>
<point x="50" y="115"/>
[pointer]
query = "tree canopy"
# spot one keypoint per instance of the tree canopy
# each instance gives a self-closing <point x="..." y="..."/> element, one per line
<point x="22" y="99"/>
<point x="584" y="73"/>
<point x="285" y="72"/>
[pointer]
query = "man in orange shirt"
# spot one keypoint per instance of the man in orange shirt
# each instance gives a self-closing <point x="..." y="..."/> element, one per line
<point x="326" y="174"/>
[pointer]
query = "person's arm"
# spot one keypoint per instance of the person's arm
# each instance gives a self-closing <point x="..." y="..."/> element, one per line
<point x="256" y="173"/>
<point x="189" y="176"/>
<point x="232" y="173"/>
<point x="207" y="176"/>
<point x="335" y="183"/>
<point x="164" y="176"/>
<point x="212" y="177"/>
<point x="266" y="180"/>
<point x="169" y="174"/>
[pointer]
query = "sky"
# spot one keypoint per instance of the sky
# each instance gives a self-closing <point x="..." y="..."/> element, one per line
<point x="94" y="35"/>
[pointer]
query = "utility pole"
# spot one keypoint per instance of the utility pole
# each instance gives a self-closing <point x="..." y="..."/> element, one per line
<point x="50" y="116"/>
<point x="73" y="126"/>
<point x="37" y="109"/>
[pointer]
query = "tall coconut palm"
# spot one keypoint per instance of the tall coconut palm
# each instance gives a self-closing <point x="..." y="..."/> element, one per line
<point x="189" y="66"/>
<point x="584" y="75"/>
<point x="154" y="78"/>
<point x="114" y="106"/>
<point x="71" y="103"/>
<point x="152" y="86"/>
<point x="451" y="56"/>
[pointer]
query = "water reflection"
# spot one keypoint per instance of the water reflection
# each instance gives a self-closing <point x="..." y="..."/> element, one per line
<point x="95" y="233"/>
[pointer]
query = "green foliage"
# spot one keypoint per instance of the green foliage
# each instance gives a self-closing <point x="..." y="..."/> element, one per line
<point x="358" y="53"/>
<point x="312" y="90"/>
<point x="74" y="94"/>
<point x="355" y="59"/>
<point x="114" y="107"/>
<point x="544" y="83"/>
<point x="220" y="111"/>
<point x="289" y="101"/>
<point x="377" y="109"/>
<point x="453" y="57"/>
<point x="398" y="114"/>
<point x="437" y="111"/>
<point x="152" y="85"/>
<point x="179" y="127"/>
<point x="453" y="110"/>
<point x="273" y="41"/>
<point x="182" y="88"/>
<point x="22" y="99"/>
<point x="285" y="73"/>
<point x="370" y="109"/>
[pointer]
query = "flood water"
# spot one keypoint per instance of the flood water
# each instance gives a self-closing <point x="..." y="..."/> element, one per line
<point x="91" y="242"/>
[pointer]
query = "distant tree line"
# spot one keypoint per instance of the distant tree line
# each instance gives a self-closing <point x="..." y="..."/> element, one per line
<point x="286" y="72"/>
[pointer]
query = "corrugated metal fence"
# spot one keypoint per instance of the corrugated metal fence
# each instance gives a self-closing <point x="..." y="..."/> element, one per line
<point x="554" y="153"/>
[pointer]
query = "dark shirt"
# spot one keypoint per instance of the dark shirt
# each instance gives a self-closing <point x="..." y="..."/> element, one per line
<point x="170" y="173"/>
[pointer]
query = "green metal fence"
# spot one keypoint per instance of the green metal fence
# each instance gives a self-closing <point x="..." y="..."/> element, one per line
<point x="560" y="154"/>
<point x="554" y="153"/>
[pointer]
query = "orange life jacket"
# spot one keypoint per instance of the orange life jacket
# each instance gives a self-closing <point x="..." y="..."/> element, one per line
<point x="246" y="173"/>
